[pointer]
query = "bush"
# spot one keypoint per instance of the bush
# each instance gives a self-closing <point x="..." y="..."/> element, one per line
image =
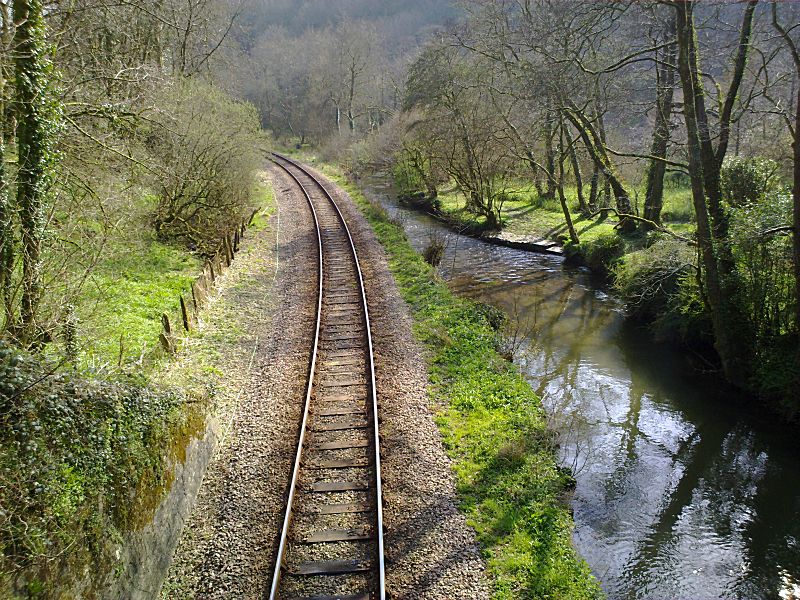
<point x="748" y="180"/>
<point x="434" y="252"/>
<point x="205" y="148"/>
<point x="766" y="292"/>
<point x="659" y="286"/>
<point x="764" y="263"/>
<point x="600" y="254"/>
<point x="74" y="459"/>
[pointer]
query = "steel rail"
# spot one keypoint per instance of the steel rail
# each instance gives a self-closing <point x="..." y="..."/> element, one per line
<point x="381" y="591"/>
<point x="273" y="594"/>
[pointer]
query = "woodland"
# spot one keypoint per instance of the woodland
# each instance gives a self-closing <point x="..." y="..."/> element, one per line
<point x="658" y="140"/>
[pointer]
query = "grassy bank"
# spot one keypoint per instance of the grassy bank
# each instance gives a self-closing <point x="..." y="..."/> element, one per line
<point x="493" y="426"/>
<point x="138" y="278"/>
<point x="87" y="450"/>
<point x="524" y="214"/>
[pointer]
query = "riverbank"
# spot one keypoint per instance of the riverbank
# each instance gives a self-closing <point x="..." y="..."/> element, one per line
<point x="530" y="222"/>
<point x="655" y="274"/>
<point x="654" y="439"/>
<point x="494" y="429"/>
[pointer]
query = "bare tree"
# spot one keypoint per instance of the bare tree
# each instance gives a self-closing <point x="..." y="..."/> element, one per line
<point x="665" y="86"/>
<point x="452" y="89"/>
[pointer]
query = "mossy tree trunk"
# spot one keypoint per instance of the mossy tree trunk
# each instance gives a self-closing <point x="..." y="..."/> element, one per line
<point x="562" y="151"/>
<point x="729" y="325"/>
<point x="713" y="157"/>
<point x="37" y="125"/>
<point x="6" y="246"/>
<point x="576" y="171"/>
<point x="593" y="141"/>
<point x="550" y="158"/>
<point x="6" y="206"/>
<point x="665" y="86"/>
<point x="594" y="188"/>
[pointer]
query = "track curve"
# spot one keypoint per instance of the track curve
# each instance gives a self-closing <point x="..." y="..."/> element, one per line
<point x="331" y="544"/>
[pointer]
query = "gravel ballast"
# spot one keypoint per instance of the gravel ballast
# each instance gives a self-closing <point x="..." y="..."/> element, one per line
<point x="228" y="545"/>
<point x="430" y="550"/>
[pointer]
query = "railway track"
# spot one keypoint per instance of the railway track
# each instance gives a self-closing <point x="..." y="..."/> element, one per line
<point x="331" y="542"/>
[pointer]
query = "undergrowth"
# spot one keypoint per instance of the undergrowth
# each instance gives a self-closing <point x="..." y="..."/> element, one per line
<point x="88" y="447"/>
<point x="494" y="429"/>
<point x="81" y="462"/>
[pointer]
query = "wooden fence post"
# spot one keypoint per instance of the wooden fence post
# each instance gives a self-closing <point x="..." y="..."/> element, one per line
<point x="185" y="315"/>
<point x="166" y="336"/>
<point x="198" y="293"/>
<point x="226" y="247"/>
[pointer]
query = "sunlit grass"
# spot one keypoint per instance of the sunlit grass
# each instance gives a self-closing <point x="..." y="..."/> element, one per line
<point x="525" y="214"/>
<point x="494" y="430"/>
<point x="137" y="279"/>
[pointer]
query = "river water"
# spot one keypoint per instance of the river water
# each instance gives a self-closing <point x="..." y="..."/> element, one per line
<point x="681" y="493"/>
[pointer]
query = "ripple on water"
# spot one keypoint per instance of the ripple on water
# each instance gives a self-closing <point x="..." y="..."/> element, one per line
<point x="679" y="495"/>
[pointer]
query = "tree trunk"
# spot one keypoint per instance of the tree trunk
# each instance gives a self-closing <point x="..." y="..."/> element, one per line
<point x="593" y="139"/>
<point x="6" y="209"/>
<point x="573" y="235"/>
<point x="351" y="120"/>
<point x="35" y="132"/>
<point x="606" y="199"/>
<point x="727" y="338"/>
<point x="576" y="170"/>
<point x="713" y="159"/>
<point x="796" y="211"/>
<point x="654" y="196"/>
<point x="550" y="159"/>
<point x="593" y="188"/>
<point x="6" y="247"/>
<point x="537" y="175"/>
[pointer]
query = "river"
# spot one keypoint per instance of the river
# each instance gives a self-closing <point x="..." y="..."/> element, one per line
<point x="681" y="492"/>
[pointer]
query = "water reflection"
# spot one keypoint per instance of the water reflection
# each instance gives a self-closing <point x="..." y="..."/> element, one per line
<point x="680" y="493"/>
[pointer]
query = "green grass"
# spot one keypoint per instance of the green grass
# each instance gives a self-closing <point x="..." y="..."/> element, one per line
<point x="494" y="430"/>
<point x="137" y="280"/>
<point x="264" y="199"/>
<point x="526" y="214"/>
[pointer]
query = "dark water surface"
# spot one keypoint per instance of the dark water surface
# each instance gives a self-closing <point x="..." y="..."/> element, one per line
<point x="681" y="492"/>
